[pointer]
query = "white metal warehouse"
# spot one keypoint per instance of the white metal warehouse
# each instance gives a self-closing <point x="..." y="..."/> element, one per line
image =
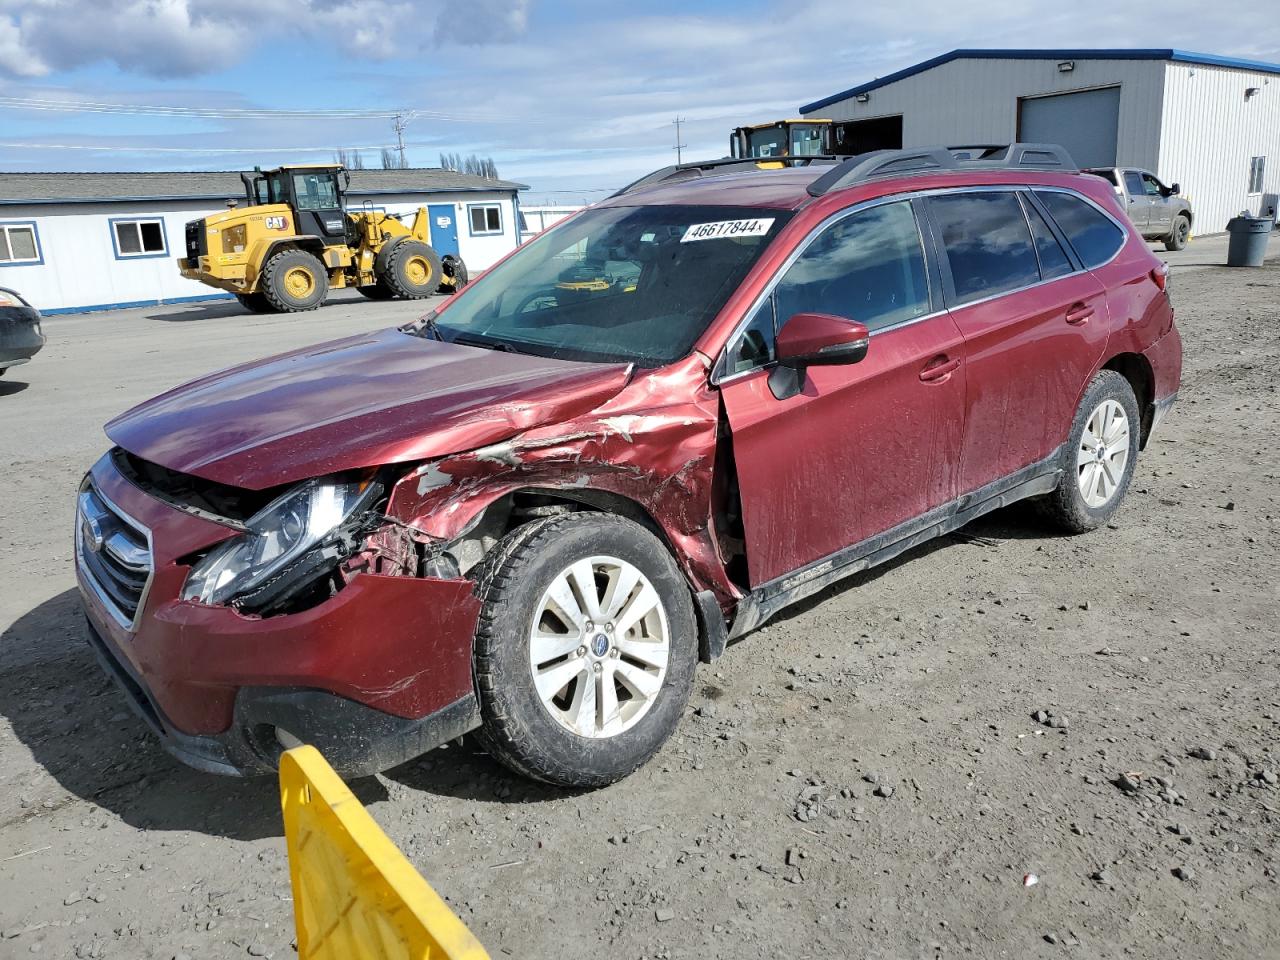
<point x="73" y="242"/>
<point x="1208" y="123"/>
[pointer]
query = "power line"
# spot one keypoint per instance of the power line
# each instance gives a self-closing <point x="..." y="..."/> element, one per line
<point x="117" y="148"/>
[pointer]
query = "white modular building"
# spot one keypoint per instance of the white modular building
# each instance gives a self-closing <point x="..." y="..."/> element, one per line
<point x="1210" y="124"/>
<point x="77" y="242"/>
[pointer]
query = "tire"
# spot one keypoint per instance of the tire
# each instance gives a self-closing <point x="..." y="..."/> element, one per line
<point x="255" y="303"/>
<point x="1178" y="236"/>
<point x="529" y="731"/>
<point x="376" y="291"/>
<point x="453" y="267"/>
<point x="1069" y="507"/>
<point x="294" y="281"/>
<point x="412" y="270"/>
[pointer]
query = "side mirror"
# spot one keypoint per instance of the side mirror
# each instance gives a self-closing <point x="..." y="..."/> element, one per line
<point x="814" y="339"/>
<point x="1175" y="189"/>
<point x="820" y="339"/>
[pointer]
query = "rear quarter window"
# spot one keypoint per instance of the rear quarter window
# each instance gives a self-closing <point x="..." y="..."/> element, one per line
<point x="1093" y="234"/>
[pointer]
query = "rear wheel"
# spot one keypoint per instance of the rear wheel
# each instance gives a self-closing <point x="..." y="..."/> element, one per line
<point x="1097" y="461"/>
<point x="255" y="302"/>
<point x="412" y="270"/>
<point x="1179" y="235"/>
<point x="294" y="280"/>
<point x="585" y="651"/>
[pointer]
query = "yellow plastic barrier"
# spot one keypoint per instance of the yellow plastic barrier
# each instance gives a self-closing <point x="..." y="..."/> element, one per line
<point x="355" y="896"/>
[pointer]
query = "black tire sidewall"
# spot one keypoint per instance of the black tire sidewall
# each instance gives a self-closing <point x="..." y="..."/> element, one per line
<point x="518" y="727"/>
<point x="1175" y="240"/>
<point x="273" y="288"/>
<point x="1069" y="501"/>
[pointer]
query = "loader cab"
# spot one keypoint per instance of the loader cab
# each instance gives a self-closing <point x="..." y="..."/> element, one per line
<point x="317" y="196"/>
<point x="785" y="138"/>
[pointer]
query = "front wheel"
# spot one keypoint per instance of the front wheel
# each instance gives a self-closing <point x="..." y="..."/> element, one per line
<point x="1098" y="458"/>
<point x="1179" y="235"/>
<point x="411" y="270"/>
<point x="585" y="651"/>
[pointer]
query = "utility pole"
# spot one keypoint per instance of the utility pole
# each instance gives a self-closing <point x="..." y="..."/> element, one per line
<point x="398" y="124"/>
<point x="679" y="147"/>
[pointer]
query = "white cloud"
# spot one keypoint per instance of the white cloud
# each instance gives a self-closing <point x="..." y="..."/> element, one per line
<point x="171" y="38"/>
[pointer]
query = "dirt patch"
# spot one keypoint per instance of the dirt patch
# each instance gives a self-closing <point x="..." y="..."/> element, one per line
<point x="877" y="774"/>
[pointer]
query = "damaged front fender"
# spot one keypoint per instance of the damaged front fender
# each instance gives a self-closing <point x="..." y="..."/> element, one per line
<point x="654" y="444"/>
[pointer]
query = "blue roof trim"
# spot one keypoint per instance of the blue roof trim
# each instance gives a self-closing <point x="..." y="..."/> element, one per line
<point x="1179" y="56"/>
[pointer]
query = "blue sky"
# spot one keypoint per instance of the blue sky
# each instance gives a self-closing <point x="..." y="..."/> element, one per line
<point x="573" y="98"/>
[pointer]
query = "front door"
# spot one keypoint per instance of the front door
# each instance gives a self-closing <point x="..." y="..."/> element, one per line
<point x="1139" y="204"/>
<point x="444" y="228"/>
<point x="1034" y="326"/>
<point x="863" y="447"/>
<point x="1159" y="209"/>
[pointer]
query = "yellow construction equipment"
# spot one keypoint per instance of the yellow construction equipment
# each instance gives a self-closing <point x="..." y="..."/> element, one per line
<point x="783" y="138"/>
<point x="355" y="896"/>
<point x="296" y="240"/>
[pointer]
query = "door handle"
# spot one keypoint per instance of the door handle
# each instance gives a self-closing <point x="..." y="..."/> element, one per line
<point x="939" y="368"/>
<point x="1079" y="313"/>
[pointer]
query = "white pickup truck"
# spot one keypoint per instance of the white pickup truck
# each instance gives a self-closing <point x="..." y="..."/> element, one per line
<point x="1155" y="209"/>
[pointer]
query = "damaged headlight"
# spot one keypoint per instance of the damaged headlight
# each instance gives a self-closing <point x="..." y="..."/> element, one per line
<point x="280" y="534"/>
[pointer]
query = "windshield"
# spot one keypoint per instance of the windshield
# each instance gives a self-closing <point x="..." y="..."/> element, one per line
<point x="806" y="140"/>
<point x="624" y="284"/>
<point x="769" y="142"/>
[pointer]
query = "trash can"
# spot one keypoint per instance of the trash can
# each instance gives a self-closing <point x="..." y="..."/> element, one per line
<point x="1248" y="244"/>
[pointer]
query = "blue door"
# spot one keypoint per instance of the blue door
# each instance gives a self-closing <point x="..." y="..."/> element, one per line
<point x="444" y="228"/>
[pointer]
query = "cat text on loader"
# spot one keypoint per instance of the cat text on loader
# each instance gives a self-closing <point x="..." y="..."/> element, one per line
<point x="296" y="240"/>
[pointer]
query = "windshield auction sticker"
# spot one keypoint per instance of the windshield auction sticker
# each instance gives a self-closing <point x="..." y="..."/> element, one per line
<point x="728" y="228"/>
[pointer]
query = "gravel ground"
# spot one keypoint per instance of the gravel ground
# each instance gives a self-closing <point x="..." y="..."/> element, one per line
<point x="879" y="773"/>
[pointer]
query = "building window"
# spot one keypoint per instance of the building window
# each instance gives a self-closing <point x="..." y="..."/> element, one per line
<point x="139" y="238"/>
<point x="1257" y="166"/>
<point x="486" y="218"/>
<point x="19" y="244"/>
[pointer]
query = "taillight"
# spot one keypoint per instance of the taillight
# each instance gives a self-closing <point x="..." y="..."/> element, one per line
<point x="1160" y="275"/>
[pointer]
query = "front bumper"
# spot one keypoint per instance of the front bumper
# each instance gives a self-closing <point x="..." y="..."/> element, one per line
<point x="354" y="738"/>
<point x="377" y="673"/>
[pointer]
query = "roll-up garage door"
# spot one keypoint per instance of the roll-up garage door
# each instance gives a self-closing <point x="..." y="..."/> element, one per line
<point x="1086" y="123"/>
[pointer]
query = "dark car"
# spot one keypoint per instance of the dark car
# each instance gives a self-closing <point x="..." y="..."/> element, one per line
<point x="534" y="513"/>
<point x="20" y="335"/>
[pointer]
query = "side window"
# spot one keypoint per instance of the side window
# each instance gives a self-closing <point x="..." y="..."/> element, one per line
<point x="1133" y="183"/>
<point x="987" y="243"/>
<point x="867" y="267"/>
<point x="18" y="243"/>
<point x="1152" y="186"/>
<point x="1054" y="261"/>
<point x="486" y="218"/>
<point x="1094" y="235"/>
<point x="1257" y="170"/>
<point x="754" y="346"/>
<point x="139" y="238"/>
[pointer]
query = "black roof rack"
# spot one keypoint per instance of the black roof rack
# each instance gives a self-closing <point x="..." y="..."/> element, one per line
<point x="692" y="171"/>
<point x="991" y="156"/>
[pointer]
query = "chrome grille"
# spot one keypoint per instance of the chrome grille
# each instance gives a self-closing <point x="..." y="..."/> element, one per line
<point x="113" y="552"/>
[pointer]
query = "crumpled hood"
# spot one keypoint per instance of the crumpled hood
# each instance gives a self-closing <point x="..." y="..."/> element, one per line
<point x="384" y="397"/>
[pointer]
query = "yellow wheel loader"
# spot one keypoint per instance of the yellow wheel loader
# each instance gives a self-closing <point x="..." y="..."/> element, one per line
<point x="296" y="240"/>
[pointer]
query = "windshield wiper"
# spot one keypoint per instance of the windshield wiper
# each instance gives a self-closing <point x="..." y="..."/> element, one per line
<point x="426" y="327"/>
<point x="485" y="344"/>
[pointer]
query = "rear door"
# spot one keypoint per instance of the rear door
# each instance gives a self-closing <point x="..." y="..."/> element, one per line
<point x="1034" y="324"/>
<point x="1138" y="203"/>
<point x="862" y="447"/>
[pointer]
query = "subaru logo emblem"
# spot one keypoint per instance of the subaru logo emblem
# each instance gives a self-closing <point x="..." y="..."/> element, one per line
<point x="91" y="534"/>
<point x="599" y="644"/>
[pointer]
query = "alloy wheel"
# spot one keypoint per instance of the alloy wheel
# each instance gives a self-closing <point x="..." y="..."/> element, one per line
<point x="1103" y="455"/>
<point x="598" y="647"/>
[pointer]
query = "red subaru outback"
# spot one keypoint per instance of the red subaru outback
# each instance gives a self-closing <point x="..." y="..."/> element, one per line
<point x="640" y="436"/>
